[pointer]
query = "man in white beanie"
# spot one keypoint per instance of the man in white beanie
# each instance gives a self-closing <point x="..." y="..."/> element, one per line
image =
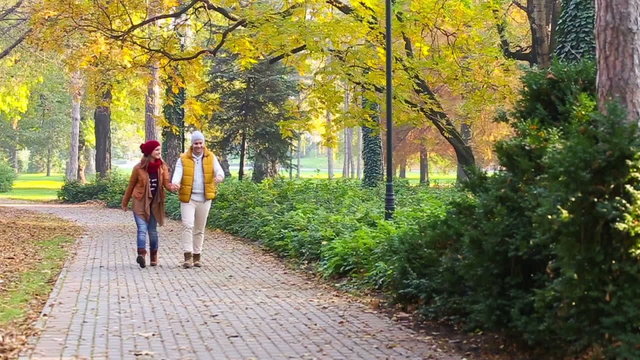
<point x="196" y="174"/>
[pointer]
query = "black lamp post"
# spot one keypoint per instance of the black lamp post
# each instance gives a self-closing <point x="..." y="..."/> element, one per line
<point x="389" y="198"/>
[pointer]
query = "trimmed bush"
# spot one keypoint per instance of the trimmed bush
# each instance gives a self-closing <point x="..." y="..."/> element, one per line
<point x="7" y="177"/>
<point x="109" y="189"/>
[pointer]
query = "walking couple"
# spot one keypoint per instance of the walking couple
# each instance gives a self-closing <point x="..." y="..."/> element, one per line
<point x="195" y="178"/>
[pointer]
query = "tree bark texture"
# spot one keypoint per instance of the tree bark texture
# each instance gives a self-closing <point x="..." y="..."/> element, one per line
<point x="424" y="165"/>
<point x="152" y="102"/>
<point x="618" y="54"/>
<point x="173" y="133"/>
<point x="329" y="149"/>
<point x="76" y="100"/>
<point x="102" y="118"/>
<point x="263" y="168"/>
<point x="465" y="131"/>
<point x="543" y="15"/>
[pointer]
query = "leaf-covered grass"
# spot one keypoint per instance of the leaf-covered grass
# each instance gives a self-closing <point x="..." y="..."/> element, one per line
<point x="35" y="187"/>
<point x="34" y="248"/>
<point x="34" y="282"/>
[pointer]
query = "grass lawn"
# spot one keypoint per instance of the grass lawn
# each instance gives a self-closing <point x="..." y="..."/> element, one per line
<point x="35" y="187"/>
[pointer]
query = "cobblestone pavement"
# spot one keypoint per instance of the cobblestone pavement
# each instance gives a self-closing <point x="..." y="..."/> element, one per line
<point x="242" y="304"/>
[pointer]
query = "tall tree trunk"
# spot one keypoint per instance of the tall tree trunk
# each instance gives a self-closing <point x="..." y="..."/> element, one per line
<point x="243" y="150"/>
<point x="298" y="155"/>
<point x="372" y="148"/>
<point x="152" y="102"/>
<point x="347" y="164"/>
<point x="618" y="54"/>
<point x="263" y="168"/>
<point x="173" y="133"/>
<point x="403" y="169"/>
<point x="81" y="150"/>
<point x="13" y="157"/>
<point x="543" y="15"/>
<point x="465" y="131"/>
<point x="224" y="163"/>
<point x="48" y="161"/>
<point x="152" y="99"/>
<point x="76" y="100"/>
<point x="329" y="148"/>
<point x="358" y="153"/>
<point x="424" y="165"/>
<point x="102" y="118"/>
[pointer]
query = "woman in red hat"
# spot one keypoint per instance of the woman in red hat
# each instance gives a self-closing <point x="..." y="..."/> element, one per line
<point x="148" y="180"/>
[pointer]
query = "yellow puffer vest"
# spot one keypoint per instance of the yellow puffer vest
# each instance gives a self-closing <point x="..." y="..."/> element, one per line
<point x="188" y="171"/>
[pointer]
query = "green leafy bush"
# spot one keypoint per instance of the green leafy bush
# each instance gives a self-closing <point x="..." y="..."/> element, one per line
<point x="109" y="189"/>
<point x="7" y="177"/>
<point x="547" y="249"/>
<point x="337" y="225"/>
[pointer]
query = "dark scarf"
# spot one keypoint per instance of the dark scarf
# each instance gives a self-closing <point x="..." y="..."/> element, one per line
<point x="153" y="166"/>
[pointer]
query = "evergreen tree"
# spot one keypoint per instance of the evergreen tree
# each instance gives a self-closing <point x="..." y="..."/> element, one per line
<point x="253" y="103"/>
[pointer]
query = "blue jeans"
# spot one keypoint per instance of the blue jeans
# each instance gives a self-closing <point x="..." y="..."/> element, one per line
<point x="144" y="228"/>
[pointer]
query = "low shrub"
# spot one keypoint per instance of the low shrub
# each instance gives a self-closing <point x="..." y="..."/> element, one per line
<point x="7" y="177"/>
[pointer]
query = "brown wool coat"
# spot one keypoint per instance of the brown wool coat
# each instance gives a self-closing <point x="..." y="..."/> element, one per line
<point x="139" y="189"/>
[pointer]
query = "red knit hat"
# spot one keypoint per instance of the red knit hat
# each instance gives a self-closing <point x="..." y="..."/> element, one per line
<point x="148" y="147"/>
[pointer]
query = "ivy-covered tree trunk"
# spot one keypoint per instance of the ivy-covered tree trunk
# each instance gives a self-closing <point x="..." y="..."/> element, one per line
<point x="576" y="31"/>
<point x="618" y="54"/>
<point x="173" y="133"/>
<point x="372" y="149"/>
<point x="102" y="118"/>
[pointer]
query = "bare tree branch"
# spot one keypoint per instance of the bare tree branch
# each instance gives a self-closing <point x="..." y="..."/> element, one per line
<point x="519" y="54"/>
<point x="11" y="9"/>
<point x="519" y="5"/>
<point x="18" y="41"/>
<point x="275" y="59"/>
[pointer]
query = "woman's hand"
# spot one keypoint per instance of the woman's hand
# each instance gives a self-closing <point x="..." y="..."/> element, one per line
<point x="124" y="208"/>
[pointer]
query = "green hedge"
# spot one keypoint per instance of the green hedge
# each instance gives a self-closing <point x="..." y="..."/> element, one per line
<point x="109" y="189"/>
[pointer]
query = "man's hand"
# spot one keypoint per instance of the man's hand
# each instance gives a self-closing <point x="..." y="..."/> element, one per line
<point x="174" y="187"/>
<point x="219" y="179"/>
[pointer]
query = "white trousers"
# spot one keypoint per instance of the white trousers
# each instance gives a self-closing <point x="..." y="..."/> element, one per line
<point x="194" y="218"/>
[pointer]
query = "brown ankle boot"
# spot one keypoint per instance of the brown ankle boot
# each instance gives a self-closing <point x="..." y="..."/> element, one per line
<point x="187" y="260"/>
<point x="196" y="260"/>
<point x="140" y="259"/>
<point x="154" y="258"/>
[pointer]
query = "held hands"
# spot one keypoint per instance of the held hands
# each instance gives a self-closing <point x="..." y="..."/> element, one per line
<point x="174" y="187"/>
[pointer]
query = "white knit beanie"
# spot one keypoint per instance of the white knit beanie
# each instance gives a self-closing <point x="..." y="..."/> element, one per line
<point x="196" y="135"/>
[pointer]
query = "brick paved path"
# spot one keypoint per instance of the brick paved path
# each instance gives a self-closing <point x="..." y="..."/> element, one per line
<point x="242" y="304"/>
